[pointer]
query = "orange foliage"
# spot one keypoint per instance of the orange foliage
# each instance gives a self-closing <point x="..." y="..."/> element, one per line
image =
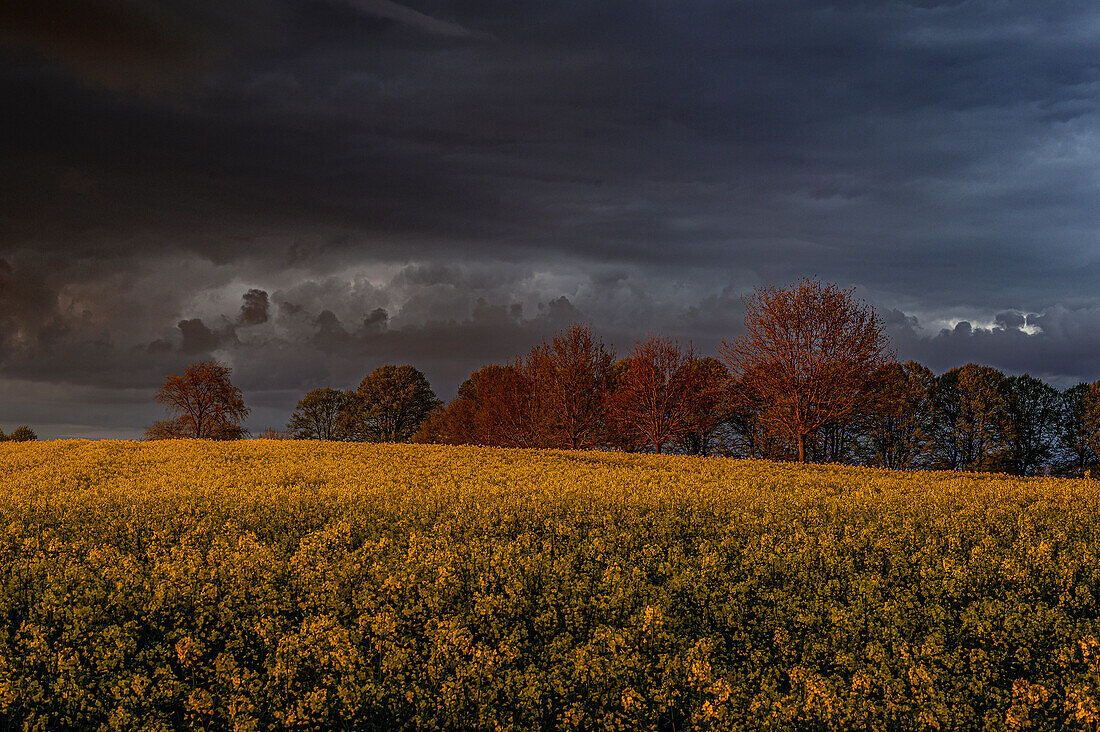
<point x="655" y="394"/>
<point x="569" y="377"/>
<point x="493" y="407"/>
<point x="204" y="404"/>
<point x="807" y="358"/>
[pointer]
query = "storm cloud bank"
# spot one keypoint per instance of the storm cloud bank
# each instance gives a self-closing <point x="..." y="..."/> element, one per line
<point x="309" y="190"/>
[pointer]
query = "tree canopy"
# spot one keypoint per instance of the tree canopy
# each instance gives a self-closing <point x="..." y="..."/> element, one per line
<point x="320" y="415"/>
<point x="19" y="434"/>
<point x="390" y="405"/>
<point x="654" y="393"/>
<point x="807" y="357"/>
<point x="569" y="376"/>
<point x="202" y="404"/>
<point x="493" y="407"/>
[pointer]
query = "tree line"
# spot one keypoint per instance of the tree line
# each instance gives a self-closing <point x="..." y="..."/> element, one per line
<point x="812" y="379"/>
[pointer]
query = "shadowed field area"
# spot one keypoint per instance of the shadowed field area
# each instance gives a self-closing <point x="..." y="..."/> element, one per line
<point x="273" y="584"/>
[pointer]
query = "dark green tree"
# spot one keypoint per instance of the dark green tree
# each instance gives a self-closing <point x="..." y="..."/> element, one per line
<point x="898" y="424"/>
<point x="972" y="420"/>
<point x="319" y="413"/>
<point x="1075" y="456"/>
<point x="836" y="442"/>
<point x="20" y="434"/>
<point x="1035" y="408"/>
<point x="390" y="405"/>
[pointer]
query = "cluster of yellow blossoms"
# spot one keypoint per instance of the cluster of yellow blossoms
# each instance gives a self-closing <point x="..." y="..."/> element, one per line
<point x="312" y="585"/>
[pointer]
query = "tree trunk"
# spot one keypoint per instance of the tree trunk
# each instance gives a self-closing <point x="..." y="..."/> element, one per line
<point x="801" y="447"/>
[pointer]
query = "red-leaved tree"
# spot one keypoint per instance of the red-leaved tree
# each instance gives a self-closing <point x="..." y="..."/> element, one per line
<point x="654" y="396"/>
<point x="568" y="377"/>
<point x="493" y="407"/>
<point x="808" y="356"/>
<point x="204" y="404"/>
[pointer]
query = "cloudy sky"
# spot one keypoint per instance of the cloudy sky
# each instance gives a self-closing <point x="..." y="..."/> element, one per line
<point x="309" y="189"/>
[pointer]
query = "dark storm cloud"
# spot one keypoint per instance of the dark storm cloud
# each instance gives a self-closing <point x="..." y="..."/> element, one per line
<point x="1010" y="320"/>
<point x="305" y="189"/>
<point x="1061" y="345"/>
<point x="110" y="43"/>
<point x="124" y="44"/>
<point x="254" y="308"/>
<point x="197" y="338"/>
<point x="136" y="44"/>
<point x="405" y="14"/>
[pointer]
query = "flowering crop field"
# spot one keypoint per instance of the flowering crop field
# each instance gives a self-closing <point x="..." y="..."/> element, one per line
<point x="309" y="585"/>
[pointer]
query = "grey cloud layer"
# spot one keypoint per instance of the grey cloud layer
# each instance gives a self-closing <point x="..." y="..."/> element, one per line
<point x="364" y="173"/>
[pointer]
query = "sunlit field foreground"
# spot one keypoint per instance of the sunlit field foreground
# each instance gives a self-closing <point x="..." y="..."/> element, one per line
<point x="257" y="585"/>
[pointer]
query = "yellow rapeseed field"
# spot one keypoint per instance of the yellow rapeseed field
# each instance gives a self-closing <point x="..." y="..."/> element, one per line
<point x="311" y="585"/>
